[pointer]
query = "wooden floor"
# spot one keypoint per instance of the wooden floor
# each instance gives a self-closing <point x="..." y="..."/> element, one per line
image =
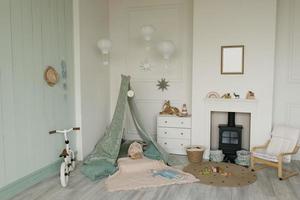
<point x="267" y="187"/>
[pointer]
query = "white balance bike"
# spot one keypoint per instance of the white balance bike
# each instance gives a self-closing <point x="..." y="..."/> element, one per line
<point x="68" y="164"/>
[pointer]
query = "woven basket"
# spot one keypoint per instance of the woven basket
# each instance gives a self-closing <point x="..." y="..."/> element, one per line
<point x="243" y="158"/>
<point x="216" y="155"/>
<point x="195" y="153"/>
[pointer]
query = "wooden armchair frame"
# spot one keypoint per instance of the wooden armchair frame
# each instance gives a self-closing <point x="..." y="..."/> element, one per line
<point x="278" y="165"/>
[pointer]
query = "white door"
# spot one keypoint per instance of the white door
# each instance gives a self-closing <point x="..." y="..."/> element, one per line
<point x="287" y="70"/>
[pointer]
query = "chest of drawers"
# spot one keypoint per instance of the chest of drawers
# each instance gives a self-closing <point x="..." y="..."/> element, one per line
<point x="174" y="133"/>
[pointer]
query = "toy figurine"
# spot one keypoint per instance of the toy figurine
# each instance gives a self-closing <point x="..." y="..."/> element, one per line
<point x="236" y="96"/>
<point x="250" y="95"/>
<point x="168" y="109"/>
<point x="183" y="112"/>
<point x="226" y="96"/>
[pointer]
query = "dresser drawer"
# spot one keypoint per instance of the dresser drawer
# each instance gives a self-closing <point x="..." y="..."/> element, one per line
<point x="175" y="146"/>
<point x="180" y="122"/>
<point x="176" y="133"/>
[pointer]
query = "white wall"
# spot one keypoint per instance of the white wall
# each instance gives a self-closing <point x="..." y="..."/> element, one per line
<point x="34" y="35"/>
<point x="173" y="20"/>
<point x="287" y="71"/>
<point x="94" y="77"/>
<point x="234" y="22"/>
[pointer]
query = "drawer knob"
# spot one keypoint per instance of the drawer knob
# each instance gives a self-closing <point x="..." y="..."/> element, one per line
<point x="165" y="132"/>
<point x="165" y="143"/>
<point x="181" y="122"/>
<point x="181" y="133"/>
<point x="181" y="144"/>
<point x="166" y="121"/>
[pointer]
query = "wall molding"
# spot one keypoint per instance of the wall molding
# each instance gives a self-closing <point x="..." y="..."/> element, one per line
<point x="290" y="107"/>
<point x="180" y="38"/>
<point x="292" y="76"/>
<point x="77" y="76"/>
<point x="141" y="100"/>
<point x="26" y="182"/>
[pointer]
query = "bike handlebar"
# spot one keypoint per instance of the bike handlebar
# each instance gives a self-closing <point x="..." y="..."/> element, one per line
<point x="65" y="131"/>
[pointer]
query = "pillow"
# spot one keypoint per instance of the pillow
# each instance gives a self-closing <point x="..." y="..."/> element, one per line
<point x="280" y="145"/>
<point x="98" y="169"/>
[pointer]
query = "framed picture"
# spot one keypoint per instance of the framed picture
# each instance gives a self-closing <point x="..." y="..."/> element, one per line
<point x="232" y="59"/>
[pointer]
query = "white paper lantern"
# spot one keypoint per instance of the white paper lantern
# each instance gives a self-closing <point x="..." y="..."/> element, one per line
<point x="147" y="32"/>
<point x="104" y="45"/>
<point x="166" y="48"/>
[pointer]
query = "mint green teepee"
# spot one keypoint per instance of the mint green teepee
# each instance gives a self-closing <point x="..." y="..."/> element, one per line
<point x="102" y="160"/>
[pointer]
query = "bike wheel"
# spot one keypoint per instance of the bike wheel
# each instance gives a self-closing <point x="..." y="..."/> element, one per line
<point x="64" y="174"/>
<point x="73" y="163"/>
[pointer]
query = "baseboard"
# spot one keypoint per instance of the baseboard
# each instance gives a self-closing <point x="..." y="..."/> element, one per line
<point x="24" y="183"/>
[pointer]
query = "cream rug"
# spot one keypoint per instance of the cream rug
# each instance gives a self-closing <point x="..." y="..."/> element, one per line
<point x="142" y="173"/>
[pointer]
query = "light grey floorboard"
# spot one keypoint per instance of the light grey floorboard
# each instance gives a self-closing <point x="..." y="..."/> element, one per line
<point x="267" y="187"/>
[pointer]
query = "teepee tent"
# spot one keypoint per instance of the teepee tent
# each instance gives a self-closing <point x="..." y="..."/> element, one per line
<point x="102" y="160"/>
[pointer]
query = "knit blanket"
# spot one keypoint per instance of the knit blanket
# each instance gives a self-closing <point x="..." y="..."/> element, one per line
<point x="145" y="173"/>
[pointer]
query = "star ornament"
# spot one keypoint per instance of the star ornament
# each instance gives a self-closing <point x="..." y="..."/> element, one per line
<point x="163" y="84"/>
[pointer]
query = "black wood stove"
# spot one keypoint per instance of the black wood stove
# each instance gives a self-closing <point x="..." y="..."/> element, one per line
<point x="230" y="138"/>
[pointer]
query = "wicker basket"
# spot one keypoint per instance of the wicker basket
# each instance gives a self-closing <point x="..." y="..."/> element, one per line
<point x="243" y="158"/>
<point x="195" y="153"/>
<point x="216" y="155"/>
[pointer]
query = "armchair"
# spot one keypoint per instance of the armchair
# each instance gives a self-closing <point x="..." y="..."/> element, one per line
<point x="277" y="150"/>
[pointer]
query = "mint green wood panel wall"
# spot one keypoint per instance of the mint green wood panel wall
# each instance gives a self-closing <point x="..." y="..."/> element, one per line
<point x="33" y="35"/>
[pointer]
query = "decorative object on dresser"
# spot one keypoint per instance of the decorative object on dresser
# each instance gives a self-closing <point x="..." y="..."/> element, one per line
<point x="213" y="95"/>
<point x="174" y="133"/>
<point x="250" y="95"/>
<point x="230" y="138"/>
<point x="167" y="109"/>
<point x="184" y="111"/>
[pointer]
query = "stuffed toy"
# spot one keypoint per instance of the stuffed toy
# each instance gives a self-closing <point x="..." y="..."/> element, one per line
<point x="135" y="151"/>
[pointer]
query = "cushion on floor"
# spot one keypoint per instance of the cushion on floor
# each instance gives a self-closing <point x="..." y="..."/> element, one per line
<point x="98" y="169"/>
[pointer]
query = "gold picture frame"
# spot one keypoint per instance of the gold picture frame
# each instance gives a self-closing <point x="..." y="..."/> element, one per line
<point x="232" y="59"/>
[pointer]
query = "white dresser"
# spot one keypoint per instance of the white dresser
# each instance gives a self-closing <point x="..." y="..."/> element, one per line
<point x="174" y="133"/>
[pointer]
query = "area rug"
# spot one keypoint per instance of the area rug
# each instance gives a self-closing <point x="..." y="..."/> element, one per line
<point x="145" y="173"/>
<point x="221" y="174"/>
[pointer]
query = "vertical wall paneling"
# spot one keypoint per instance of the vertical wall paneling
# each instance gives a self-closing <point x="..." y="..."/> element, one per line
<point x="92" y="92"/>
<point x="34" y="34"/>
<point x="38" y="93"/>
<point x="5" y="73"/>
<point x="8" y="129"/>
<point x="172" y="20"/>
<point x="69" y="92"/>
<point x="287" y="68"/>
<point x="215" y="25"/>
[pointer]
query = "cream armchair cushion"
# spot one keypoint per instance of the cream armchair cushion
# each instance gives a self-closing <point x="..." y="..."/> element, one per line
<point x="277" y="150"/>
<point x="284" y="139"/>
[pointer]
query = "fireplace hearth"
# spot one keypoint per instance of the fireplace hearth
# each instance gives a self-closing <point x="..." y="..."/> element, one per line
<point x="230" y="138"/>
